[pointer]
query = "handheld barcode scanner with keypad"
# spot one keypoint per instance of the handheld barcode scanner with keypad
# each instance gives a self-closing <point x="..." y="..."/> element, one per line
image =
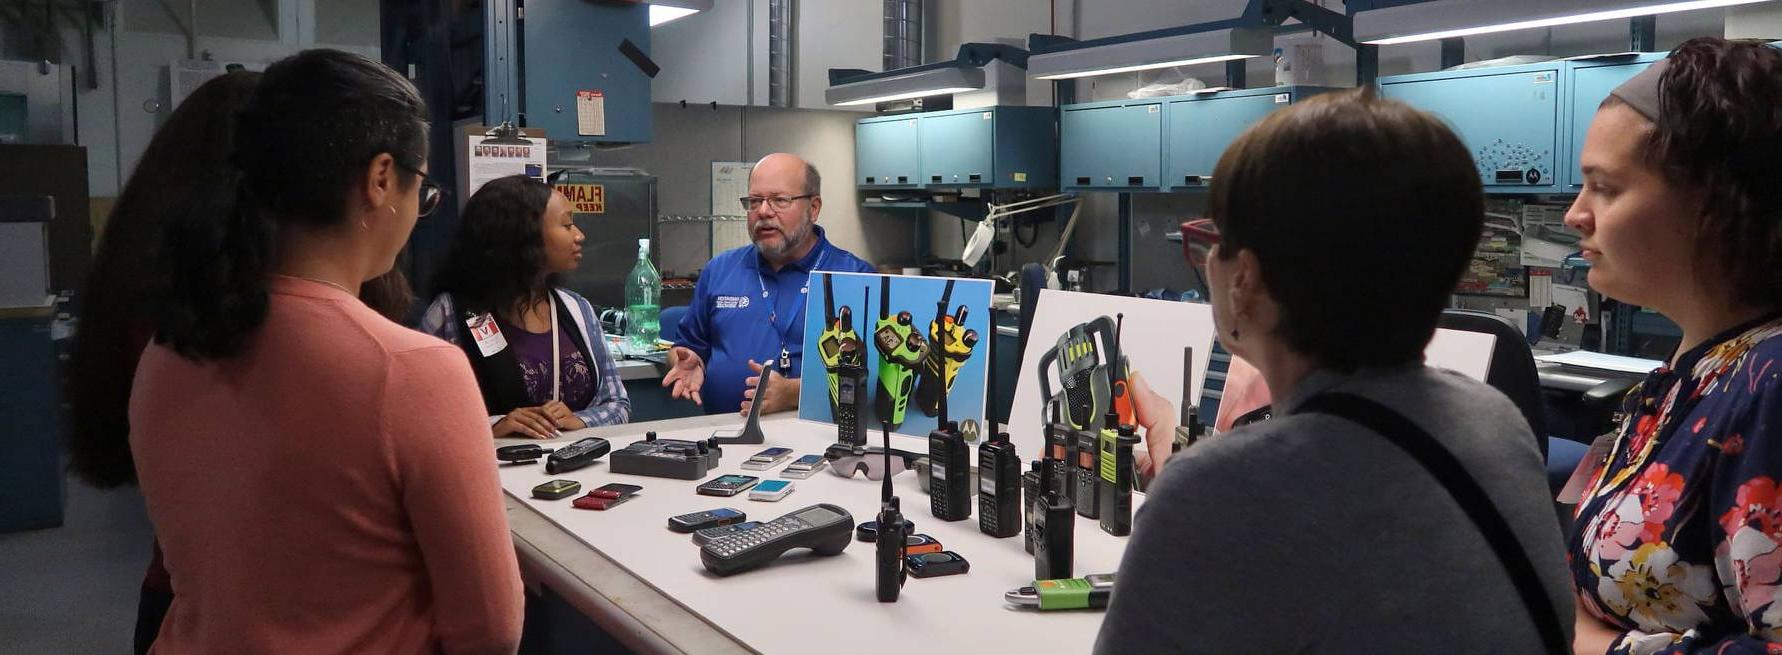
<point x="901" y="350"/>
<point x="949" y="346"/>
<point x="844" y="359"/>
<point x="824" y="528"/>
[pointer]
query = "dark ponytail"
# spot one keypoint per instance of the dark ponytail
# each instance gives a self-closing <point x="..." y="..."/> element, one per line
<point x="301" y="146"/>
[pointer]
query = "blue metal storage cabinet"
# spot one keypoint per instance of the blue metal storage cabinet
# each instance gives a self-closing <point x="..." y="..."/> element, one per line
<point x="1199" y="127"/>
<point x="1588" y="82"/>
<point x="887" y="152"/>
<point x="1111" y="146"/>
<point x="1508" y="117"/>
<point x="569" y="48"/>
<point x="990" y="147"/>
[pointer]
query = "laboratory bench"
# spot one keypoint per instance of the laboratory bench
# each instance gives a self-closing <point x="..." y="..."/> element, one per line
<point x="645" y="589"/>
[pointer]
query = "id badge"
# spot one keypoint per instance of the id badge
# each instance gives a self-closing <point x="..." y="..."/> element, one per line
<point x="486" y="334"/>
<point x="1596" y="458"/>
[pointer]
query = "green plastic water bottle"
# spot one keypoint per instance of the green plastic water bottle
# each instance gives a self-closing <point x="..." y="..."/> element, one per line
<point x="643" y="293"/>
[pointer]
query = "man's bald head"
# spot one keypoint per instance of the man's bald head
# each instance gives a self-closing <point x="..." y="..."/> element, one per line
<point x="787" y="167"/>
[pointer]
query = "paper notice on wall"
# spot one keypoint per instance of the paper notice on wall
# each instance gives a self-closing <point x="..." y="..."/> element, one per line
<point x="1540" y="290"/>
<point x="490" y="160"/>
<point x="590" y="113"/>
<point x="730" y="181"/>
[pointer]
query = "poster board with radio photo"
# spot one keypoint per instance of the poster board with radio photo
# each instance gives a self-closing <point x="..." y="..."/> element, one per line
<point x="890" y="348"/>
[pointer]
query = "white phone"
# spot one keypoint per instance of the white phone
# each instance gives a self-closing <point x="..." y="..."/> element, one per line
<point x="771" y="490"/>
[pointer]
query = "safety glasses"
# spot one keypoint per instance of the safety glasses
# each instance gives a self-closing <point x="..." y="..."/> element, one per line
<point x="845" y="461"/>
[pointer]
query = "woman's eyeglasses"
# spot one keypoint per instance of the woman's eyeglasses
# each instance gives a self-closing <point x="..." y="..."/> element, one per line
<point x="779" y="203"/>
<point x="1198" y="238"/>
<point x="431" y="191"/>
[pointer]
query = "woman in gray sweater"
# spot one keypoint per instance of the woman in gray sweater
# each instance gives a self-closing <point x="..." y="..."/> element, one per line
<point x="1345" y="221"/>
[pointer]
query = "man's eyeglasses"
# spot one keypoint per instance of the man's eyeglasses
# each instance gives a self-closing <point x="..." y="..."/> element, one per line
<point x="431" y="191"/>
<point x="779" y="203"/>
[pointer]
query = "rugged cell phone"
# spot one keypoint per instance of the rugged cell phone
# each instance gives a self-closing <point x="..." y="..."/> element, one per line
<point x="869" y="531"/>
<point x="727" y="485"/>
<point x="607" y="496"/>
<point x="766" y="459"/>
<point x="556" y="489"/>
<point x="934" y="565"/>
<point x="844" y="359"/>
<point x="823" y="528"/>
<point x="901" y="350"/>
<point x="949" y="346"/>
<point x="771" y="490"/>
<point x="804" y="467"/>
<point x="701" y="537"/>
<point x="711" y="518"/>
<point x="1087" y="592"/>
<point x="576" y="455"/>
<point x="521" y="454"/>
<point x="999" y="488"/>
<point x="917" y="544"/>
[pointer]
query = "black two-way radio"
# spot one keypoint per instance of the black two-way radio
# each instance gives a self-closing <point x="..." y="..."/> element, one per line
<point x="889" y="567"/>
<point x="949" y="477"/>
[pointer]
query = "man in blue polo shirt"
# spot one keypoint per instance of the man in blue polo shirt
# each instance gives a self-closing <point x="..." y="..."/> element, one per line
<point x="748" y="308"/>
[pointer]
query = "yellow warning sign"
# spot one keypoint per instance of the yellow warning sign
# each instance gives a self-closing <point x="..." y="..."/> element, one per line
<point x="584" y="198"/>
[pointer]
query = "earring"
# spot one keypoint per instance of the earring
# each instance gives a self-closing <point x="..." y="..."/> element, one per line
<point x="1234" y="334"/>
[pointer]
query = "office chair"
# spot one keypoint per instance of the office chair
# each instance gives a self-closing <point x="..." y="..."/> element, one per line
<point x="1512" y="366"/>
<point x="670" y="321"/>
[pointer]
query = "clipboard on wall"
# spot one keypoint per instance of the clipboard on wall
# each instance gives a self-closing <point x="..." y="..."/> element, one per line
<point x="484" y="153"/>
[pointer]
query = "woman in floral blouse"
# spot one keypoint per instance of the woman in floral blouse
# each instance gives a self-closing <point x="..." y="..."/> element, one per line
<point x="1677" y="546"/>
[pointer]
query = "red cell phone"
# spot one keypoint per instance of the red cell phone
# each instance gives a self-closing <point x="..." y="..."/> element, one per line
<point x="607" y="496"/>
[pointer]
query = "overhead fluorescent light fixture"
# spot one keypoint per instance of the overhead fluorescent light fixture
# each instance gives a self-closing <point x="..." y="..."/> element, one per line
<point x="1577" y="11"/>
<point x="1200" y="44"/>
<point x="664" y="11"/>
<point x="911" y="83"/>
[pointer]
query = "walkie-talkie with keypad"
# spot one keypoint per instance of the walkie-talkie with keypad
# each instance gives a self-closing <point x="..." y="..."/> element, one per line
<point x="844" y="355"/>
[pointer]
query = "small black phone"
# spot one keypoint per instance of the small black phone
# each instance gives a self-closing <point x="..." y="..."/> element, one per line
<point x="728" y="485"/>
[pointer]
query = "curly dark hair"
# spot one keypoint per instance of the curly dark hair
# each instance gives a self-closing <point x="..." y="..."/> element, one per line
<point x="496" y="261"/>
<point x="316" y="120"/>
<point x="174" y="181"/>
<point x="1385" y="213"/>
<point x="1719" y="129"/>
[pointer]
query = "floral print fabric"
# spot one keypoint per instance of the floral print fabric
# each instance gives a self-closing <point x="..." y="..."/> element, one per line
<point x="1678" y="540"/>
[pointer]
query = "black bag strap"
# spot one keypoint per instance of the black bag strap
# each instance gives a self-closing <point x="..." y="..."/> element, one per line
<point x="1464" y="490"/>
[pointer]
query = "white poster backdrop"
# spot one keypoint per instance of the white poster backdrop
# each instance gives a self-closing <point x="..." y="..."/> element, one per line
<point x="1155" y="333"/>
